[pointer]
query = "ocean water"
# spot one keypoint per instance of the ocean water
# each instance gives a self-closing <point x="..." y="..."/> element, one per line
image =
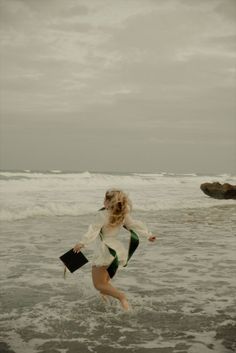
<point x="181" y="288"/>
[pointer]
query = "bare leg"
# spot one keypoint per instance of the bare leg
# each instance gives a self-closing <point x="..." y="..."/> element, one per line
<point x="101" y="283"/>
<point x="105" y="296"/>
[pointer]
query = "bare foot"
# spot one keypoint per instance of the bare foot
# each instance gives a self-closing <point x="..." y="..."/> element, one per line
<point x="104" y="298"/>
<point x="124" y="303"/>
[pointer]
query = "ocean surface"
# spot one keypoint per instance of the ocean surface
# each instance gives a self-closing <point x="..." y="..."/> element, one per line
<point x="181" y="288"/>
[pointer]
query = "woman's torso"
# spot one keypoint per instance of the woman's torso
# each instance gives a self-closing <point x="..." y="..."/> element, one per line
<point x="108" y="230"/>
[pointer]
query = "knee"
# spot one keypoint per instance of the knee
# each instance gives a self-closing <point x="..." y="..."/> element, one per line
<point x="96" y="285"/>
<point x="99" y="286"/>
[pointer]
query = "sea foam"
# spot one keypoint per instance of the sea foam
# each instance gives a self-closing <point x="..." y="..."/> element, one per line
<point x="33" y="194"/>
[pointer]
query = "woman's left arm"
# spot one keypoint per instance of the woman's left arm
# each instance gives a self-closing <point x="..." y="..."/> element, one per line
<point x="139" y="227"/>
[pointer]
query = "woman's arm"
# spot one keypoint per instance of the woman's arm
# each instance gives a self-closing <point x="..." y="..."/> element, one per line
<point x="91" y="234"/>
<point x="139" y="227"/>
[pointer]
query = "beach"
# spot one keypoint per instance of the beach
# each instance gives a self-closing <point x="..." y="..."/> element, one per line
<point x="181" y="288"/>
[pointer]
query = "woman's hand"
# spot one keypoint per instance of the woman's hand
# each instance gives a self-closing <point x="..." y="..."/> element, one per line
<point x="78" y="247"/>
<point x="152" y="238"/>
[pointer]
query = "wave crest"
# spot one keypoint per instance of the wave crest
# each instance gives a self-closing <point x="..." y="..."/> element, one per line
<point x="49" y="209"/>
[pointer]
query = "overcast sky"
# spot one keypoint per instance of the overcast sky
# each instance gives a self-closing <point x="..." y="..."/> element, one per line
<point x="118" y="85"/>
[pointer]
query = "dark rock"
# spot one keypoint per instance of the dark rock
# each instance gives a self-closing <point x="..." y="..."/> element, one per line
<point x="219" y="191"/>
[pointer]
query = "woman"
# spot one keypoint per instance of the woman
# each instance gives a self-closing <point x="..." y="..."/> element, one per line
<point x="110" y="219"/>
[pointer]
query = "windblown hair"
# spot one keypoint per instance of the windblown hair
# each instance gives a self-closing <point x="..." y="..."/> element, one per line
<point x="119" y="205"/>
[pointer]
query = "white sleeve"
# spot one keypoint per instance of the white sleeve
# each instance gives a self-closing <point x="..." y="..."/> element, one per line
<point x="93" y="231"/>
<point x="137" y="226"/>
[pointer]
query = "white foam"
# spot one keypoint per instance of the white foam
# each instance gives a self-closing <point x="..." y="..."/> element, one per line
<point x="55" y="171"/>
<point x="30" y="194"/>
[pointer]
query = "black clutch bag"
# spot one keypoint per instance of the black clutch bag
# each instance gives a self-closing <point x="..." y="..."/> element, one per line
<point x="73" y="261"/>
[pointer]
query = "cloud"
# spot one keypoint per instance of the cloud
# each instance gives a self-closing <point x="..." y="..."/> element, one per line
<point x="144" y="68"/>
<point x="226" y="9"/>
<point x="73" y="27"/>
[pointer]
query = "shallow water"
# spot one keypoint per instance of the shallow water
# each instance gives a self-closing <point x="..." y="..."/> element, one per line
<point x="181" y="288"/>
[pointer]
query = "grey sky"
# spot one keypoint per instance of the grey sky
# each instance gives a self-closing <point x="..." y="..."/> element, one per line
<point x="127" y="85"/>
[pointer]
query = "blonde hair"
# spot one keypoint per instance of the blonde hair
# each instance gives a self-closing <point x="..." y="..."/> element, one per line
<point x="119" y="205"/>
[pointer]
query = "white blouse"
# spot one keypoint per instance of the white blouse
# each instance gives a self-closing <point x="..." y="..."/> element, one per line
<point x="101" y="221"/>
<point x="102" y="256"/>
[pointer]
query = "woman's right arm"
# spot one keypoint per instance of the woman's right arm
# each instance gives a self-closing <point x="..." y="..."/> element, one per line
<point x="91" y="234"/>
